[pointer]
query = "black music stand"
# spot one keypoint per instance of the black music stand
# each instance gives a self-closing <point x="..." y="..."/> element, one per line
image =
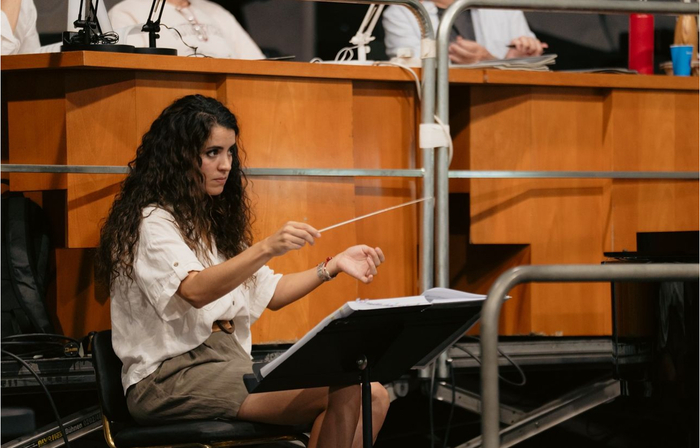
<point x="369" y="345"/>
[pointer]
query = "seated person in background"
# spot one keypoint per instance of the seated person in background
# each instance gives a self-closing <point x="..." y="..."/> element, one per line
<point x="477" y="35"/>
<point x="19" y="33"/>
<point x="187" y="281"/>
<point x="203" y="25"/>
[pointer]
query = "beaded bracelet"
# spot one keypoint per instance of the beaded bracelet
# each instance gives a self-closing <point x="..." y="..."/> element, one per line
<point x="322" y="271"/>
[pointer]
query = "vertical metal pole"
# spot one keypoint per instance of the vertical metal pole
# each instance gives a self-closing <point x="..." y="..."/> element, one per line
<point x="442" y="194"/>
<point x="366" y="409"/>
<point x="427" y="254"/>
<point x="490" y="311"/>
<point x="428" y="208"/>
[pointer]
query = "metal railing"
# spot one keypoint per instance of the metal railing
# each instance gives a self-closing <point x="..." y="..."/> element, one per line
<point x="489" y="319"/>
<point x="474" y="174"/>
<point x="442" y="173"/>
<point x="292" y="172"/>
<point x="550" y="274"/>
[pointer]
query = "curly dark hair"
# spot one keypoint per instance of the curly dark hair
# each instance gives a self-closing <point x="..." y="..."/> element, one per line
<point x="166" y="172"/>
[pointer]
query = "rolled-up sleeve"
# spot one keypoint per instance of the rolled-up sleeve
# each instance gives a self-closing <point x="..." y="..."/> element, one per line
<point x="162" y="261"/>
<point x="265" y="284"/>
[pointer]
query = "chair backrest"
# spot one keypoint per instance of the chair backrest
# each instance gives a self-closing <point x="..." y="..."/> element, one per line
<point x="108" y="369"/>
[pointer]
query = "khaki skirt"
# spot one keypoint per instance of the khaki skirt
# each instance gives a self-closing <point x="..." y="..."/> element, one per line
<point x="204" y="383"/>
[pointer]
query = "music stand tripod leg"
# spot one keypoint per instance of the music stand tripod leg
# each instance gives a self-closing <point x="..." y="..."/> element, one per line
<point x="366" y="402"/>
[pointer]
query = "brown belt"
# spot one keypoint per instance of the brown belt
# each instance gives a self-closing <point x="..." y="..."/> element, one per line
<point x="223" y="325"/>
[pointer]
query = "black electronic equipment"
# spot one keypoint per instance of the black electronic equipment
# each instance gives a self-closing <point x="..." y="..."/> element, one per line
<point x="90" y="35"/>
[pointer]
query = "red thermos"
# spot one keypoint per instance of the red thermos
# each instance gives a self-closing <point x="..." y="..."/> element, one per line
<point x="641" y="45"/>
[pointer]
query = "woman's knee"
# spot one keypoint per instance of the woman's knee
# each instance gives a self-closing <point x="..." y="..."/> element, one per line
<point x="345" y="396"/>
<point x="380" y="398"/>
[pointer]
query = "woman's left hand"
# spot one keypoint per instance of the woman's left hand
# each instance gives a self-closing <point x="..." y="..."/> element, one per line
<point x="359" y="262"/>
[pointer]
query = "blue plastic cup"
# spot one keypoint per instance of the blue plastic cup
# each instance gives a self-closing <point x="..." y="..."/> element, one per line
<point x="681" y="56"/>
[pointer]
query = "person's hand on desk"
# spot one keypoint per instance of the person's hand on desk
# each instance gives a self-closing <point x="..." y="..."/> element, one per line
<point x="463" y="51"/>
<point x="525" y="46"/>
<point x="359" y="262"/>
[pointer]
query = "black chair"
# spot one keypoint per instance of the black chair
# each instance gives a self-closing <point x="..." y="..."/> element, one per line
<point x="122" y="432"/>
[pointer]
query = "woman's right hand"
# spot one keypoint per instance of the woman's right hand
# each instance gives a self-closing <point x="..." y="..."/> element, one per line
<point x="292" y="236"/>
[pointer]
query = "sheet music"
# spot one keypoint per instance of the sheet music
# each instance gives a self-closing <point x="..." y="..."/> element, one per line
<point x="434" y="295"/>
<point x="446" y="295"/>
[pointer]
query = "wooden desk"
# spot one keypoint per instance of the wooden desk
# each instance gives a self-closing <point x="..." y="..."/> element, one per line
<point x="529" y="121"/>
<point x="91" y="108"/>
<point x="88" y="108"/>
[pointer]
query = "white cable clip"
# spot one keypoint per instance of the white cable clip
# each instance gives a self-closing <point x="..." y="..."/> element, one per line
<point x="427" y="48"/>
<point x="432" y="135"/>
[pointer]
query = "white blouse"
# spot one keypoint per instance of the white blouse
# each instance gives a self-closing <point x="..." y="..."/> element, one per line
<point x="151" y="323"/>
<point x="25" y="38"/>
<point x="205" y="25"/>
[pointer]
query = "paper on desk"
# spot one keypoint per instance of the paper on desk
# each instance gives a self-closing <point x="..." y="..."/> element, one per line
<point x="534" y="63"/>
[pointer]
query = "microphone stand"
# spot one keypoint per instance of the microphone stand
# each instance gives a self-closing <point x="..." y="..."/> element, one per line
<point x="364" y="34"/>
<point x="89" y="36"/>
<point x="152" y="27"/>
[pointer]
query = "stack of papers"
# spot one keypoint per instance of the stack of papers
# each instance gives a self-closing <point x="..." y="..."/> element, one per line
<point x="534" y="63"/>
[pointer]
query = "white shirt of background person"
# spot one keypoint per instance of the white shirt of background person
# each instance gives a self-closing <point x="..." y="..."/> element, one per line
<point x="203" y="24"/>
<point x="495" y="30"/>
<point x="18" y="28"/>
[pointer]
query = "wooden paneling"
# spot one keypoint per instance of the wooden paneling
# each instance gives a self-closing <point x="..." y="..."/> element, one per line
<point x="156" y="90"/>
<point x="474" y="268"/>
<point x="4" y="139"/>
<point x="653" y="131"/>
<point x="567" y="215"/>
<point x="535" y="128"/>
<point x="99" y="131"/>
<point x="81" y="305"/>
<point x="182" y="65"/>
<point x="296" y="123"/>
<point x="36" y="131"/>
<point x="500" y="138"/>
<point x="460" y="117"/>
<point x="384" y="118"/>
<point x="564" y="79"/>
<point x="567" y="221"/>
<point x="106" y="115"/>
